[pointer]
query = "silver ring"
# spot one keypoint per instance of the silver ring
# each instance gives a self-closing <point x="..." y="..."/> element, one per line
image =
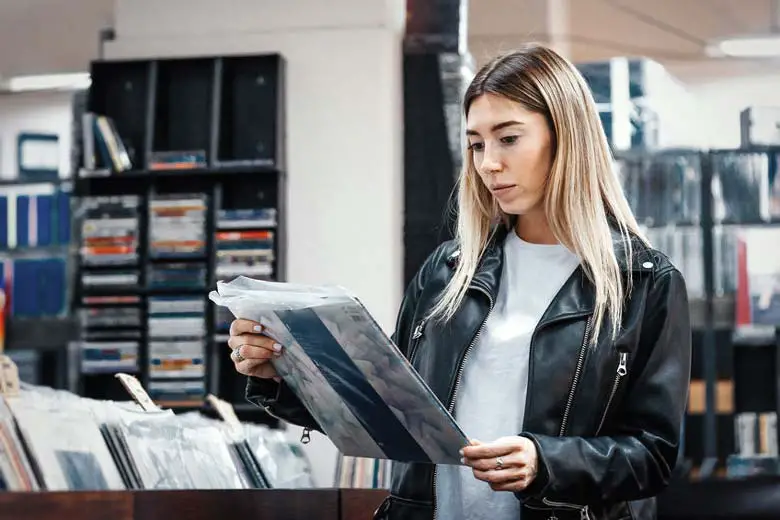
<point x="236" y="355"/>
<point x="499" y="463"/>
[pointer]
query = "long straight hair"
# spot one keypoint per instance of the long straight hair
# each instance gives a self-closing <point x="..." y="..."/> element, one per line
<point x="582" y="193"/>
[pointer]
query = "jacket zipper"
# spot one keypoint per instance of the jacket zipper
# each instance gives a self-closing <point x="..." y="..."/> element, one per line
<point x="584" y="511"/>
<point x="460" y="374"/>
<point x="584" y="515"/>
<point x="416" y="335"/>
<point x="577" y="374"/>
<point x="622" y="370"/>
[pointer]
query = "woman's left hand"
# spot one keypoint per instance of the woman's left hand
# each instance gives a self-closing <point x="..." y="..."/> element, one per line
<point x="507" y="464"/>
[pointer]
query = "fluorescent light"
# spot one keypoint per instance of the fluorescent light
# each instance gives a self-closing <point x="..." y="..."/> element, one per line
<point x="748" y="47"/>
<point x="49" y="82"/>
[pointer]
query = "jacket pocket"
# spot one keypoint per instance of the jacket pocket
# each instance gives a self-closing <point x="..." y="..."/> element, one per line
<point x="397" y="508"/>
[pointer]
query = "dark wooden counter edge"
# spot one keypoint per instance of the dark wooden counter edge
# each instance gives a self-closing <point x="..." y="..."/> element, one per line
<point x="754" y="499"/>
<point x="360" y="504"/>
<point x="322" y="504"/>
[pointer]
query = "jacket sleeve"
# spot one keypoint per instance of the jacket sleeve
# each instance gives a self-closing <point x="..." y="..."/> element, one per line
<point x="637" y="459"/>
<point x="281" y="402"/>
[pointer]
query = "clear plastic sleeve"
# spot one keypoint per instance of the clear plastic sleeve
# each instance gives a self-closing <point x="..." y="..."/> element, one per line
<point x="356" y="383"/>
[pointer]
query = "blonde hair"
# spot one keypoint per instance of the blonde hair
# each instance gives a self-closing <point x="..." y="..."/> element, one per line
<point x="582" y="193"/>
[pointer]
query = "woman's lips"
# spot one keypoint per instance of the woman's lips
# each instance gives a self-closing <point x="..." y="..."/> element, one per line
<point x="501" y="189"/>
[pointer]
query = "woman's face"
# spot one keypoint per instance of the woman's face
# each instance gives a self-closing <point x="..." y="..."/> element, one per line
<point x="511" y="150"/>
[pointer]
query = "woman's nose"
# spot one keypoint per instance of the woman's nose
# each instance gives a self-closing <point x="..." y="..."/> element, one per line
<point x="491" y="162"/>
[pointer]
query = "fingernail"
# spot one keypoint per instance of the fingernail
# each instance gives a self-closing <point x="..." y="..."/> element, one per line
<point x="277" y="347"/>
<point x="258" y="328"/>
<point x="462" y="460"/>
<point x="460" y="452"/>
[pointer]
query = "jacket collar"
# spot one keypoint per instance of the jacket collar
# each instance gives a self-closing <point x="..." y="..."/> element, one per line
<point x="577" y="296"/>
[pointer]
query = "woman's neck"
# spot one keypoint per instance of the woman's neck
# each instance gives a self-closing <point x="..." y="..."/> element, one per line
<point x="534" y="228"/>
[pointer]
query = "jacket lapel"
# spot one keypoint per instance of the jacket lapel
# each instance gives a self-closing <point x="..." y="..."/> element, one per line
<point x="576" y="297"/>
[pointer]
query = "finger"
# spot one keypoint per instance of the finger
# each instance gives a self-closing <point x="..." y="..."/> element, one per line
<point x="499" y="448"/>
<point x="242" y="326"/>
<point x="513" y="460"/>
<point x="254" y="340"/>
<point x="248" y="366"/>
<point x="251" y="352"/>
<point x="501" y="476"/>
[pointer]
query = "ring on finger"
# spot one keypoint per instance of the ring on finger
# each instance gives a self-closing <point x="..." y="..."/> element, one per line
<point x="499" y="463"/>
<point x="236" y="355"/>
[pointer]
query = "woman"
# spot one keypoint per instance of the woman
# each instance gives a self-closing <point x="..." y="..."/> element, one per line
<point x="558" y="338"/>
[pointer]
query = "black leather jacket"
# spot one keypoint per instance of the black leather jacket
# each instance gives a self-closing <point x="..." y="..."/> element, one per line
<point x="606" y="420"/>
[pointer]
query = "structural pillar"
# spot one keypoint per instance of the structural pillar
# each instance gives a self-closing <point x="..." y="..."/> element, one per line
<point x="435" y="71"/>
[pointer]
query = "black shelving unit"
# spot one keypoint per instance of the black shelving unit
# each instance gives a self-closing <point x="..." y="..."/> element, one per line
<point x="230" y="108"/>
<point x="723" y="204"/>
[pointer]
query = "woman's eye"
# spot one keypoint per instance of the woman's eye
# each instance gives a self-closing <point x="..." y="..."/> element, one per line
<point x="510" y="139"/>
<point x="477" y="147"/>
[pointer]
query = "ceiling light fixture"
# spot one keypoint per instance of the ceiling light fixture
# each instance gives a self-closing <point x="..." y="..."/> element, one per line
<point x="71" y="81"/>
<point x="758" y="46"/>
<point x="752" y="45"/>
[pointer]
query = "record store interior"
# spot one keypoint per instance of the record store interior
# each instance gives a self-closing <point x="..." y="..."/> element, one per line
<point x="151" y="150"/>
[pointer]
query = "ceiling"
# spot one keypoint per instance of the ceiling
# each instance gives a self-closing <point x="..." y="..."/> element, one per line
<point x="38" y="36"/>
<point x="47" y="36"/>
<point x="673" y="32"/>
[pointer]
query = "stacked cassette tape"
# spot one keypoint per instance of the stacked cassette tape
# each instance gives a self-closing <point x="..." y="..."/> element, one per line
<point x="109" y="315"/>
<point x="177" y="349"/>
<point x="176" y="309"/>
<point x="245" y="243"/>
<point x="177" y="226"/>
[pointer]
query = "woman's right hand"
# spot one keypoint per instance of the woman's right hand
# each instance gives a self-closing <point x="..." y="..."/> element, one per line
<point x="252" y="349"/>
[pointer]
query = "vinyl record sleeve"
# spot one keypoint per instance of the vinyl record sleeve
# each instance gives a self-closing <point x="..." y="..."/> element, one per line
<point x="352" y="378"/>
<point x="69" y="449"/>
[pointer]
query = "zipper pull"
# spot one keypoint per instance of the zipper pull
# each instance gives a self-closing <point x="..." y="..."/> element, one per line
<point x="306" y="436"/>
<point x="623" y="366"/>
<point x="552" y="516"/>
<point x="418" y="330"/>
<point x="584" y="513"/>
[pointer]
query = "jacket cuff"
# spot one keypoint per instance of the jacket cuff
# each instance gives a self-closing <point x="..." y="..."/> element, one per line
<point x="541" y="481"/>
<point x="263" y="392"/>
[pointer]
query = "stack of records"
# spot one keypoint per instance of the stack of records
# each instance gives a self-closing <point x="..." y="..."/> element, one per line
<point x="15" y="469"/>
<point x="66" y="446"/>
<point x="56" y="441"/>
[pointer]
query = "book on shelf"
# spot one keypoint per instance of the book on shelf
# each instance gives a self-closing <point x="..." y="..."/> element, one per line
<point x="356" y="383"/>
<point x="104" y="148"/>
<point x="53" y="440"/>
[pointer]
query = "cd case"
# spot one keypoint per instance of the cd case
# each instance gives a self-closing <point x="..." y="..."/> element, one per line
<point x="351" y="377"/>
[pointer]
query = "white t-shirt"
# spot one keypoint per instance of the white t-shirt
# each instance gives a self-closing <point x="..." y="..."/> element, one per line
<point x="491" y="399"/>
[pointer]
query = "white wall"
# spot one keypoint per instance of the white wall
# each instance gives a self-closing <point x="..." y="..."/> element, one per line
<point x="720" y="102"/>
<point x="344" y="129"/>
<point x="48" y="112"/>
